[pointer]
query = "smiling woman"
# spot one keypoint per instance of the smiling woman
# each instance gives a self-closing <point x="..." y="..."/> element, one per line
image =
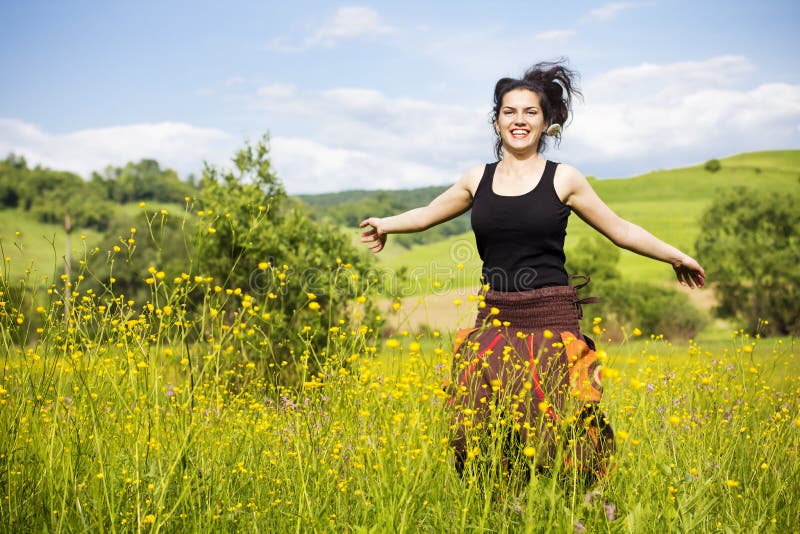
<point x="526" y="366"/>
<point x="547" y="89"/>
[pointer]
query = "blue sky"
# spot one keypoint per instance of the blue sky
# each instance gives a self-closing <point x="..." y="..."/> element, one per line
<point x="389" y="95"/>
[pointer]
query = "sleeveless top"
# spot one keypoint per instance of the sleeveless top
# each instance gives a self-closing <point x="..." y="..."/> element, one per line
<point x="520" y="238"/>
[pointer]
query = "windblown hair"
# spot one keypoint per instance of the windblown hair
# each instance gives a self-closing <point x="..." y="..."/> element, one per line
<point x="556" y="86"/>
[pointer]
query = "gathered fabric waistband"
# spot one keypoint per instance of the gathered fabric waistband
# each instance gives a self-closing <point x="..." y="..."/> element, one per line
<point x="547" y="307"/>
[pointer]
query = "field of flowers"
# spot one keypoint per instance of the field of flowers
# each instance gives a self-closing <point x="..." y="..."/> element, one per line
<point x="120" y="417"/>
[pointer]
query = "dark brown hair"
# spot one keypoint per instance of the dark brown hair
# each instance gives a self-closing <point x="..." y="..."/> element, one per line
<point x="556" y="86"/>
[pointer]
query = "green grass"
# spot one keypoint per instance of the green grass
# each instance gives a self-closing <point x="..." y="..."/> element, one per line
<point x="28" y="244"/>
<point x="165" y="416"/>
<point x="38" y="246"/>
<point x="667" y="203"/>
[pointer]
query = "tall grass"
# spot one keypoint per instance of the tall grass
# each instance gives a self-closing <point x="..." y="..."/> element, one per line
<point x="165" y="416"/>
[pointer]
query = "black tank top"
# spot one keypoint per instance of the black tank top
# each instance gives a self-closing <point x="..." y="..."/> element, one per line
<point x="520" y="238"/>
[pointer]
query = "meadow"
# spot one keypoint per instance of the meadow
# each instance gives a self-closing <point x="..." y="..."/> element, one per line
<point x="180" y="413"/>
<point x="118" y="420"/>
<point x="668" y="203"/>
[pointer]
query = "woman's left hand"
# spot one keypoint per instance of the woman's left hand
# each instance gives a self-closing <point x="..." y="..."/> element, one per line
<point x="689" y="272"/>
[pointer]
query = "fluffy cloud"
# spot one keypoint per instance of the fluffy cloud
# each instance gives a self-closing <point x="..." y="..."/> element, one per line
<point x="609" y="11"/>
<point x="356" y="137"/>
<point x="347" y="22"/>
<point x="634" y="119"/>
<point x="555" y="35"/>
<point x="309" y="166"/>
<point x="680" y="113"/>
<point x="181" y="146"/>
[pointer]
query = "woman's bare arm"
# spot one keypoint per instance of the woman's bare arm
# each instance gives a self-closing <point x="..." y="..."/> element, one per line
<point x="581" y="197"/>
<point x="452" y="203"/>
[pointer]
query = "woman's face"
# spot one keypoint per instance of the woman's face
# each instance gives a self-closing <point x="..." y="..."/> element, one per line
<point x="520" y="121"/>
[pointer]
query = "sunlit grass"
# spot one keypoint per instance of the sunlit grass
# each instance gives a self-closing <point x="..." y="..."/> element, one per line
<point x="166" y="415"/>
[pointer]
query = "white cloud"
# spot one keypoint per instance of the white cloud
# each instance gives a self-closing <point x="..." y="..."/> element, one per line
<point x="362" y="138"/>
<point x="347" y="22"/>
<point x="308" y="166"/>
<point x="177" y="145"/>
<point x="554" y="35"/>
<point x="277" y="90"/>
<point x="609" y="11"/>
<point x="666" y="115"/>
<point x="634" y="119"/>
<point x="233" y="81"/>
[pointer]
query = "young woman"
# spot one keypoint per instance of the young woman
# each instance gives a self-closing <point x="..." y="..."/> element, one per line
<point x="526" y="355"/>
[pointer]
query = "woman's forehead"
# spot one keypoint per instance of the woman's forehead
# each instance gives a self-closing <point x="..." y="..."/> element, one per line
<point x="521" y="98"/>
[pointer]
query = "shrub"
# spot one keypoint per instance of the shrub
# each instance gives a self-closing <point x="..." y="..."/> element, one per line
<point x="750" y="242"/>
<point x="713" y="165"/>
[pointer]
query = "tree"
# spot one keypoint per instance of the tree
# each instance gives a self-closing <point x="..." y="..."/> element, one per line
<point x="750" y="244"/>
<point x="259" y="240"/>
<point x="713" y="165"/>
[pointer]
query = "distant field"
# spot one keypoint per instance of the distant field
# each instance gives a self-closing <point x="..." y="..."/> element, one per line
<point x="668" y="203"/>
<point x="26" y="243"/>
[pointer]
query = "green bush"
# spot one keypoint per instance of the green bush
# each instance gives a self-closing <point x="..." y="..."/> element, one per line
<point x="750" y="241"/>
<point x="257" y="239"/>
<point x="713" y="165"/>
<point x="653" y="309"/>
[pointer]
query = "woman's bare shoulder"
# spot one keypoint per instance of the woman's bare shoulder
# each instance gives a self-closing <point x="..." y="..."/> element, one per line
<point x="472" y="178"/>
<point x="567" y="180"/>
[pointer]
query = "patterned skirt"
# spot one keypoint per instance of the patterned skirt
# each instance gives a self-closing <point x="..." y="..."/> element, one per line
<point x="526" y="370"/>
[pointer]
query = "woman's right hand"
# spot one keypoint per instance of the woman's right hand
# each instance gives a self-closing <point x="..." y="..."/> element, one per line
<point x="375" y="237"/>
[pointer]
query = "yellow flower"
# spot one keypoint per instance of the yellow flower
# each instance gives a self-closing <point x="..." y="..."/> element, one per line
<point x="392" y="343"/>
<point x="314" y="306"/>
<point x="494" y="311"/>
<point x="149" y="519"/>
<point x="414" y="347"/>
<point x="637" y="332"/>
<point x="674" y="420"/>
<point x="732" y="483"/>
<point x="547" y="334"/>
<point x="529" y="452"/>
<point x="311" y="296"/>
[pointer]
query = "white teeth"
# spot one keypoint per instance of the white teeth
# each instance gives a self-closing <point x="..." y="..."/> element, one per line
<point x="518" y="132"/>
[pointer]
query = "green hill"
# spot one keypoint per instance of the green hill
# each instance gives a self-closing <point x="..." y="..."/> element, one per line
<point x="668" y="203"/>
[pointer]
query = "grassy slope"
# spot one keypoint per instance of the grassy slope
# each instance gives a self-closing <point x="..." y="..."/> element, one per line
<point x="40" y="247"/>
<point x="668" y="203"/>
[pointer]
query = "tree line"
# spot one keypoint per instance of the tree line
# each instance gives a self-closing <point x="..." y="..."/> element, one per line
<point x="49" y="194"/>
<point x="349" y="208"/>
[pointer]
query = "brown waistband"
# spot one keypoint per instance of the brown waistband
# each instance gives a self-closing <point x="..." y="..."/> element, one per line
<point x="547" y="307"/>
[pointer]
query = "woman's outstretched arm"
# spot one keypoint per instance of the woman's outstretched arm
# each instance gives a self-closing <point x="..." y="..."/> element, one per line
<point x="579" y="195"/>
<point x="452" y="203"/>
